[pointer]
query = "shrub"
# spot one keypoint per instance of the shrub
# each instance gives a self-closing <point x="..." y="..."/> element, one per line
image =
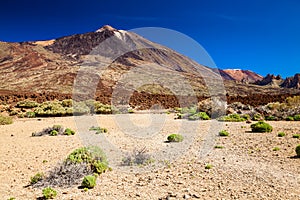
<point x="27" y="104"/>
<point x="5" y="120"/>
<point x="276" y="149"/>
<point x="130" y="110"/>
<point x="199" y="115"/>
<point x="138" y="157"/>
<point x="296" y="136"/>
<point x="271" y="118"/>
<point x="30" y="114"/>
<point x="257" y="117"/>
<point x="298" y="150"/>
<point x="281" y="134"/>
<point x="219" y="147"/>
<point x="223" y="133"/>
<point x="49" y="193"/>
<point x="54" y="133"/>
<point x="175" y="138"/>
<point x="36" y="178"/>
<point x="89" y="182"/>
<point x="98" y="129"/>
<point x="208" y="166"/>
<point x="92" y="156"/>
<point x="297" y="117"/>
<point x="69" y="132"/>
<point x="261" y="127"/>
<point x="289" y="118"/>
<point x="11" y="198"/>
<point x="232" y="118"/>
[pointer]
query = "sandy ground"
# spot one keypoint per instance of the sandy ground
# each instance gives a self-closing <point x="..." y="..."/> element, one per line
<point x="246" y="168"/>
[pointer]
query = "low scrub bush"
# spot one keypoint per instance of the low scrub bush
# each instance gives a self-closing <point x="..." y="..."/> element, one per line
<point x="298" y="150"/>
<point x="175" y="138"/>
<point x="271" y="118"/>
<point x="223" y="133"/>
<point x="296" y="136"/>
<point x="289" y="118"/>
<point x="137" y="157"/>
<point x="27" y="104"/>
<point x="199" y="116"/>
<point x="98" y="129"/>
<point x="49" y="193"/>
<point x="89" y="182"/>
<point x="281" y="134"/>
<point x="54" y="131"/>
<point x="36" y="178"/>
<point x="4" y="120"/>
<point x="297" y="117"/>
<point x="208" y="166"/>
<point x="261" y="127"/>
<point x="232" y="118"/>
<point x="276" y="149"/>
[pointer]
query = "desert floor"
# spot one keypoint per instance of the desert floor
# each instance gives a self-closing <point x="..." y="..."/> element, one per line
<point x="246" y="168"/>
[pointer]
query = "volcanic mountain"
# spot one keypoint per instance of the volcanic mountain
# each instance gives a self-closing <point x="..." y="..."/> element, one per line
<point x="111" y="62"/>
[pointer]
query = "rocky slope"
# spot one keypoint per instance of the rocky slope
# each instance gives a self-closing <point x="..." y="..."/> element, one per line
<point x="48" y="69"/>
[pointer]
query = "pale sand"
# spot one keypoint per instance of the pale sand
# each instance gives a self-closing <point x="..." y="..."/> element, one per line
<point x="246" y="168"/>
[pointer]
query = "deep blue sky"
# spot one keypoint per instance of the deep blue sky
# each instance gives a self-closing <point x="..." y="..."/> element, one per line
<point x="260" y="35"/>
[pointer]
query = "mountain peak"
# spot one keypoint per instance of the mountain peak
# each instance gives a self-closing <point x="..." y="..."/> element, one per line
<point x="106" y="27"/>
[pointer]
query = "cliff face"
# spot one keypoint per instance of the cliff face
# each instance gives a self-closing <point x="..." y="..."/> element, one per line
<point x="292" y="82"/>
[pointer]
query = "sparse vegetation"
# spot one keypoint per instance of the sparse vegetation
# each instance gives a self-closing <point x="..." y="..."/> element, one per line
<point x="36" y="178"/>
<point x="219" y="147"/>
<point x="296" y="136"/>
<point x="175" y="138"/>
<point x="232" y="118"/>
<point x="191" y="113"/>
<point x="98" y="129"/>
<point x="276" y="149"/>
<point x="281" y="134"/>
<point x="208" y="166"/>
<point x="4" y="120"/>
<point x="137" y="157"/>
<point x="49" y="193"/>
<point x="223" y="133"/>
<point x="54" y="131"/>
<point x="289" y="118"/>
<point x="89" y="182"/>
<point x="298" y="150"/>
<point x="261" y="127"/>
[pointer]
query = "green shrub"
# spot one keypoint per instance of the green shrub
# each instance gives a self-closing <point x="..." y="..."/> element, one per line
<point x="298" y="150"/>
<point x="219" y="147"/>
<point x="54" y="133"/>
<point x="289" y="118"/>
<point x="89" y="182"/>
<point x="276" y="149"/>
<point x="257" y="117"/>
<point x="11" y="198"/>
<point x="232" y="118"/>
<point x="281" y="134"/>
<point x="208" y="166"/>
<point x="223" y="133"/>
<point x="271" y="118"/>
<point x="130" y="110"/>
<point x="5" y="120"/>
<point x="175" y="138"/>
<point x="297" y="117"/>
<point x="36" y="178"/>
<point x="49" y="193"/>
<point x="27" y="104"/>
<point x="93" y="156"/>
<point x="98" y="129"/>
<point x="30" y="114"/>
<point x="261" y="127"/>
<point x="199" y="115"/>
<point x="69" y="132"/>
<point x="296" y="136"/>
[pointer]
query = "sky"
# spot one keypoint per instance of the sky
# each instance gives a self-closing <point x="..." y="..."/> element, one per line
<point x="258" y="35"/>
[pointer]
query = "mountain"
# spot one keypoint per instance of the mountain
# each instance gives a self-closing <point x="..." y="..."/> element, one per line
<point x="115" y="59"/>
<point x="245" y="76"/>
<point x="277" y="81"/>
